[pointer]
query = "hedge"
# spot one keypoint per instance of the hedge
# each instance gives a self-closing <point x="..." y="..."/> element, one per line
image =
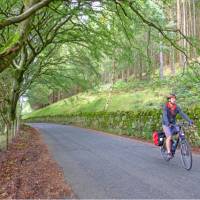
<point x="139" y="123"/>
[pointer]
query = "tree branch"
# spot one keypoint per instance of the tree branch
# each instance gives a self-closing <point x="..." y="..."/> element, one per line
<point x="25" y="15"/>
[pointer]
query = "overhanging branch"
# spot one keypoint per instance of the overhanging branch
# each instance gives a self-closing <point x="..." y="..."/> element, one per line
<point x="25" y="15"/>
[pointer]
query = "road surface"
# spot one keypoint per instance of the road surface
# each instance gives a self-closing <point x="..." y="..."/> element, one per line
<point x="104" y="166"/>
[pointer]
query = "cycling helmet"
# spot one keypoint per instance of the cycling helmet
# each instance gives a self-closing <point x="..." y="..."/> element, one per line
<point x="171" y="96"/>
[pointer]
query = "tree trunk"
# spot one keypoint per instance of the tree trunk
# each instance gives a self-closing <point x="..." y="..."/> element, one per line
<point x="161" y="62"/>
<point x="141" y="68"/>
<point x="15" y="95"/>
<point x="178" y="14"/>
<point x="172" y="58"/>
<point x="189" y="27"/>
<point x="7" y="135"/>
<point x="123" y="74"/>
<point x="149" y="66"/>
<point x="111" y="87"/>
<point x="8" y="54"/>
<point x="185" y="33"/>
<point x="194" y="26"/>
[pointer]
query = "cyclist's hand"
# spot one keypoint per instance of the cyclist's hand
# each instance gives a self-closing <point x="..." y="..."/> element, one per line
<point x="170" y="125"/>
<point x="191" y="123"/>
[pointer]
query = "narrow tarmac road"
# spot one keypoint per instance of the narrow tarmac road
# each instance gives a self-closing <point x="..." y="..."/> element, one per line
<point x="103" y="166"/>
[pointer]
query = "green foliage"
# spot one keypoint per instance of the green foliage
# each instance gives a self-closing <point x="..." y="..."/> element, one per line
<point x="39" y="95"/>
<point x="120" y="85"/>
<point x="89" y="102"/>
<point x="60" y="55"/>
<point x="12" y="41"/>
<point x="129" y="96"/>
<point x="135" y="113"/>
<point x="132" y="123"/>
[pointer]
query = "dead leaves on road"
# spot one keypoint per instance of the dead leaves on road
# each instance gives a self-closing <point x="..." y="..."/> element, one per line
<point x="27" y="171"/>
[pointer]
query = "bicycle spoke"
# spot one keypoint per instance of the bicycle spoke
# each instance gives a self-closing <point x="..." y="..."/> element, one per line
<point x="186" y="155"/>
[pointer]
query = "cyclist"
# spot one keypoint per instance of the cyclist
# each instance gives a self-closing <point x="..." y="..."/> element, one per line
<point x="170" y="110"/>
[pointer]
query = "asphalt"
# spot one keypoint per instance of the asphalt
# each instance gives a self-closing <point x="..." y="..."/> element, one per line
<point x="104" y="166"/>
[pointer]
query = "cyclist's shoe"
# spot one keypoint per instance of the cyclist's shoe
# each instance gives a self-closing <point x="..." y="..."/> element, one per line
<point x="169" y="156"/>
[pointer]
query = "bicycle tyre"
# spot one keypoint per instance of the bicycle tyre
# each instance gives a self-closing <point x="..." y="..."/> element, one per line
<point x="163" y="151"/>
<point x="186" y="154"/>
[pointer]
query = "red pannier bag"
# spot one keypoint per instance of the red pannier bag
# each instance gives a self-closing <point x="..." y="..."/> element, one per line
<point x="158" y="138"/>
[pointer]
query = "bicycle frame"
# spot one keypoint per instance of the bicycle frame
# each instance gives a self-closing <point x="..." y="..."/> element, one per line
<point x="186" y="154"/>
<point x="181" y="136"/>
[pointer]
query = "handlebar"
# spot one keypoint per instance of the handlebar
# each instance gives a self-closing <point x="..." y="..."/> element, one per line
<point x="183" y="124"/>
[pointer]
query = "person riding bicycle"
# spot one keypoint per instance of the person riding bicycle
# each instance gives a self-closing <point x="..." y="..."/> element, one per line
<point x="170" y="110"/>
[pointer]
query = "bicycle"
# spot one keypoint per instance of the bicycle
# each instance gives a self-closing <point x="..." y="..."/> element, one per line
<point x="186" y="154"/>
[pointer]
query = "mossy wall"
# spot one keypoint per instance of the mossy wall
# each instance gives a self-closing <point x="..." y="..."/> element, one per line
<point x="140" y="124"/>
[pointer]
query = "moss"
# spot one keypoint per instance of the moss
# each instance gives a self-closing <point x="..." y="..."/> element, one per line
<point x="131" y="123"/>
<point x="10" y="43"/>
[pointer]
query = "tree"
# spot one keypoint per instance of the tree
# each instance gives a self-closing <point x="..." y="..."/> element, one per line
<point x="69" y="43"/>
<point x="13" y="45"/>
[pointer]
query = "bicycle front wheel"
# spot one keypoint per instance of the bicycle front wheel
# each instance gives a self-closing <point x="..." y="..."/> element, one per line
<point x="186" y="154"/>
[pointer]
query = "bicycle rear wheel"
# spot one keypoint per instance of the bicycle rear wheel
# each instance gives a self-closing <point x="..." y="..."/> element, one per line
<point x="186" y="154"/>
<point x="163" y="151"/>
